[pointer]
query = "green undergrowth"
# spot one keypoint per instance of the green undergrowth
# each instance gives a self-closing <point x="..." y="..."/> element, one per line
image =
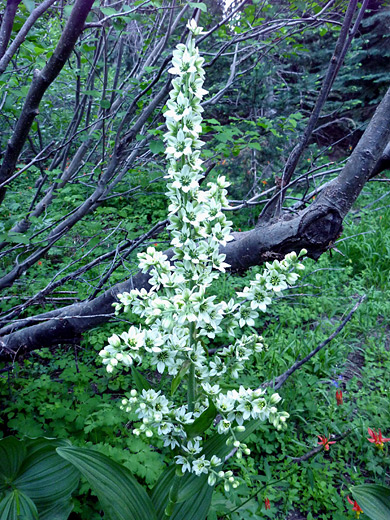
<point x="66" y="393"/>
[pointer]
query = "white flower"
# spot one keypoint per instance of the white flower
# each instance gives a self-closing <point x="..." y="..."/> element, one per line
<point x="260" y="300"/>
<point x="193" y="447"/>
<point x="222" y="234"/>
<point x="200" y="466"/>
<point x="211" y="389"/>
<point x="224" y="404"/>
<point x="184" y="463"/>
<point x="183" y="64"/>
<point x="134" y="338"/>
<point x="179" y="145"/>
<point x="246" y="316"/>
<point x="275" y="280"/>
<point x="224" y="426"/>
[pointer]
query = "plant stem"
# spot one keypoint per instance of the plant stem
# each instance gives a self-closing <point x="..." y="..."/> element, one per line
<point x="191" y="388"/>
<point x="191" y="391"/>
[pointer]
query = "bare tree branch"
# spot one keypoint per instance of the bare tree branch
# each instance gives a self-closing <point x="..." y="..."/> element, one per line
<point x="6" y="56"/>
<point x="41" y="82"/>
<point x="6" y="25"/>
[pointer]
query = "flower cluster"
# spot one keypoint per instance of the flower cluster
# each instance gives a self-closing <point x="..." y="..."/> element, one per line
<point x="179" y="317"/>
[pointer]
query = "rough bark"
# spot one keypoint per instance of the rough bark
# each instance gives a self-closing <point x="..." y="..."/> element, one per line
<point x="315" y="229"/>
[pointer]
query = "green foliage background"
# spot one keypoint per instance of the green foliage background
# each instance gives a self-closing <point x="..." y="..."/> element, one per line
<point x="66" y="393"/>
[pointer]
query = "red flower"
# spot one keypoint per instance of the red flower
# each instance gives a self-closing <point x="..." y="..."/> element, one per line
<point x="267" y="503"/>
<point x="377" y="438"/>
<point x="39" y="263"/>
<point x="339" y="397"/>
<point x="325" y="442"/>
<point x="356" y="507"/>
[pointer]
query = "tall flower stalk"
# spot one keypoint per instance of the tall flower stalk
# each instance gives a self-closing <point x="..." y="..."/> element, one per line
<point x="179" y="317"/>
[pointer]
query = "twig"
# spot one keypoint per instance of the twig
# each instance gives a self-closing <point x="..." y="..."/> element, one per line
<point x="280" y="380"/>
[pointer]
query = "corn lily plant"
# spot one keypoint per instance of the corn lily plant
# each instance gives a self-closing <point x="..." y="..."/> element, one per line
<point x="178" y="314"/>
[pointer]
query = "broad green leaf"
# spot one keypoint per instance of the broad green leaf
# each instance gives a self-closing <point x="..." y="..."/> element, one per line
<point x="196" y="508"/>
<point x="156" y="146"/>
<point x="30" y="5"/>
<point x="193" y="487"/>
<point x="200" y="5"/>
<point x="12" y="453"/>
<point x="255" y="146"/>
<point x="108" y="11"/>
<point x="120" y="495"/>
<point x="200" y="425"/>
<point x="58" y="511"/>
<point x="140" y="381"/>
<point x="373" y="499"/>
<point x="194" y="496"/>
<point x="17" y="506"/>
<point x="17" y="238"/>
<point x="44" y="476"/>
<point x="178" y="378"/>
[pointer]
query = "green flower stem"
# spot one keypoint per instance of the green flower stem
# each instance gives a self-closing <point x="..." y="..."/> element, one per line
<point x="191" y="388"/>
<point x="191" y="391"/>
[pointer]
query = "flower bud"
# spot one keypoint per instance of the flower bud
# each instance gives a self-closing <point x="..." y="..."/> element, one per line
<point x="275" y="399"/>
<point x="212" y="479"/>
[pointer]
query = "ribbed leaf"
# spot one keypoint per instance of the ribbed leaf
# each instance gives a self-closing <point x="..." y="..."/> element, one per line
<point x="140" y="381"/>
<point x="179" y="376"/>
<point x="195" y="493"/>
<point x="194" y="496"/>
<point x="374" y="500"/>
<point x="17" y="506"/>
<point x="12" y="453"/>
<point x="120" y="495"/>
<point x="58" y="511"/>
<point x="203" y="422"/>
<point x="197" y="507"/>
<point x="45" y="476"/>
<point x="160" y="492"/>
